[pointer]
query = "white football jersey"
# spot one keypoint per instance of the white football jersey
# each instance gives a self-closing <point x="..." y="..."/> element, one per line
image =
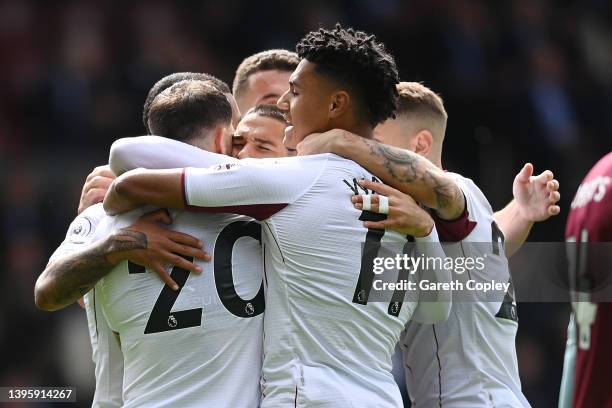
<point x="106" y="353"/>
<point x="469" y="360"/>
<point x="325" y="345"/>
<point x="200" y="346"/>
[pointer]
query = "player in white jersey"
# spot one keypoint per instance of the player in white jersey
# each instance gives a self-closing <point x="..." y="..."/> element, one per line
<point x="80" y="261"/>
<point x="325" y="344"/>
<point x="106" y="352"/>
<point x="206" y="369"/>
<point x="70" y="276"/>
<point x="469" y="360"/>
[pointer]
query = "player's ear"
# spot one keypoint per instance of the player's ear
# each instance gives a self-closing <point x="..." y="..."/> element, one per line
<point x="423" y="142"/>
<point x="339" y="103"/>
<point x="223" y="140"/>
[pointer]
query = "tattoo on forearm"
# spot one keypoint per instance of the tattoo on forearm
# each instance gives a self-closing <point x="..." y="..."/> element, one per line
<point x="73" y="276"/>
<point x="126" y="240"/>
<point x="407" y="167"/>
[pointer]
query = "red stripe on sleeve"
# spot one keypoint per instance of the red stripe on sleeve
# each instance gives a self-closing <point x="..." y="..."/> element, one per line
<point x="185" y="203"/>
<point x="455" y="230"/>
<point x="258" y="211"/>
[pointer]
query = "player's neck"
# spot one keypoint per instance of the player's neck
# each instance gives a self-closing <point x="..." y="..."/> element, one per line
<point x="353" y="124"/>
<point x="435" y="156"/>
<point x="437" y="161"/>
<point x="364" y="130"/>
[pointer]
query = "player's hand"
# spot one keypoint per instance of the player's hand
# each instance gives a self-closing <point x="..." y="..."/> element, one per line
<point x="318" y="143"/>
<point x="95" y="187"/>
<point x="404" y="214"/>
<point x="162" y="246"/>
<point x="536" y="196"/>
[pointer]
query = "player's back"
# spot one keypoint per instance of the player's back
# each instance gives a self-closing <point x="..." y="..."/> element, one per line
<point x="325" y="345"/>
<point x="590" y="220"/>
<point x="200" y="346"/>
<point x="469" y="360"/>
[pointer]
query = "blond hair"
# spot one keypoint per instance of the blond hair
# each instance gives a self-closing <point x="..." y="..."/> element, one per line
<point x="422" y="105"/>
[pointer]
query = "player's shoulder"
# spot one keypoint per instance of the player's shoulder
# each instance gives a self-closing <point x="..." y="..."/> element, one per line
<point x="473" y="194"/>
<point x="85" y="223"/>
<point x="283" y="161"/>
<point x="81" y="231"/>
<point x="333" y="161"/>
<point x="95" y="211"/>
<point x="596" y="184"/>
<point x="603" y="166"/>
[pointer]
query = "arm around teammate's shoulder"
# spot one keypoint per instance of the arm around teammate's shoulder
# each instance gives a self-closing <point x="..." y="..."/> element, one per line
<point x="161" y="188"/>
<point x="156" y="152"/>
<point x="399" y="168"/>
<point x="254" y="187"/>
<point x="146" y="242"/>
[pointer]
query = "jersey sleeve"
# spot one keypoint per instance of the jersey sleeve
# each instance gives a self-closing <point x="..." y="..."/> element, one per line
<point x="475" y="204"/>
<point x="81" y="232"/>
<point x="257" y="188"/>
<point x="566" y="393"/>
<point x="155" y="152"/>
<point x="106" y="355"/>
<point x="434" y="306"/>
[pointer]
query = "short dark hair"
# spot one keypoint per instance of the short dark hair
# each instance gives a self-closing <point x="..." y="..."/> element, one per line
<point x="169" y="80"/>
<point x="183" y="110"/>
<point x="360" y="62"/>
<point x="280" y="60"/>
<point x="268" y="111"/>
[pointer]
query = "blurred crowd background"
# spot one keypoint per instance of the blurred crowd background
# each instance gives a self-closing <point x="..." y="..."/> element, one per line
<point x="523" y="80"/>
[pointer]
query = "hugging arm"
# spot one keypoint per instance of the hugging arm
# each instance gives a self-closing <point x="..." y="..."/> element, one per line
<point x="434" y="306"/>
<point x="156" y="152"/>
<point x="74" y="272"/>
<point x="256" y="188"/>
<point x="402" y="169"/>
<point x="151" y="152"/>
<point x="161" y="188"/>
<point x="66" y="279"/>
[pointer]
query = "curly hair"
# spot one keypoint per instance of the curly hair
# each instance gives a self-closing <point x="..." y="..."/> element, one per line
<point x="358" y="61"/>
<point x="169" y="80"/>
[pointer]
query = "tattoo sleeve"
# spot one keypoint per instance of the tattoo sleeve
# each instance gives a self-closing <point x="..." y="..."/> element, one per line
<point x="70" y="277"/>
<point x="412" y="174"/>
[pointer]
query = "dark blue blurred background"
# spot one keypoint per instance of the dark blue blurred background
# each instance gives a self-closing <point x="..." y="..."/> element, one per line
<point x="523" y="80"/>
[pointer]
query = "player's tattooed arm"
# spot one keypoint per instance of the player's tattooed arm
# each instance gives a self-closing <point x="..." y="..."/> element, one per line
<point x="146" y="243"/>
<point x="135" y="188"/>
<point x="67" y="279"/>
<point x="402" y="169"/>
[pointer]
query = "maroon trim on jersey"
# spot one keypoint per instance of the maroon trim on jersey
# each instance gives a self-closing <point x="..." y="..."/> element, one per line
<point x="258" y="211"/>
<point x="183" y="188"/>
<point x="454" y="230"/>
